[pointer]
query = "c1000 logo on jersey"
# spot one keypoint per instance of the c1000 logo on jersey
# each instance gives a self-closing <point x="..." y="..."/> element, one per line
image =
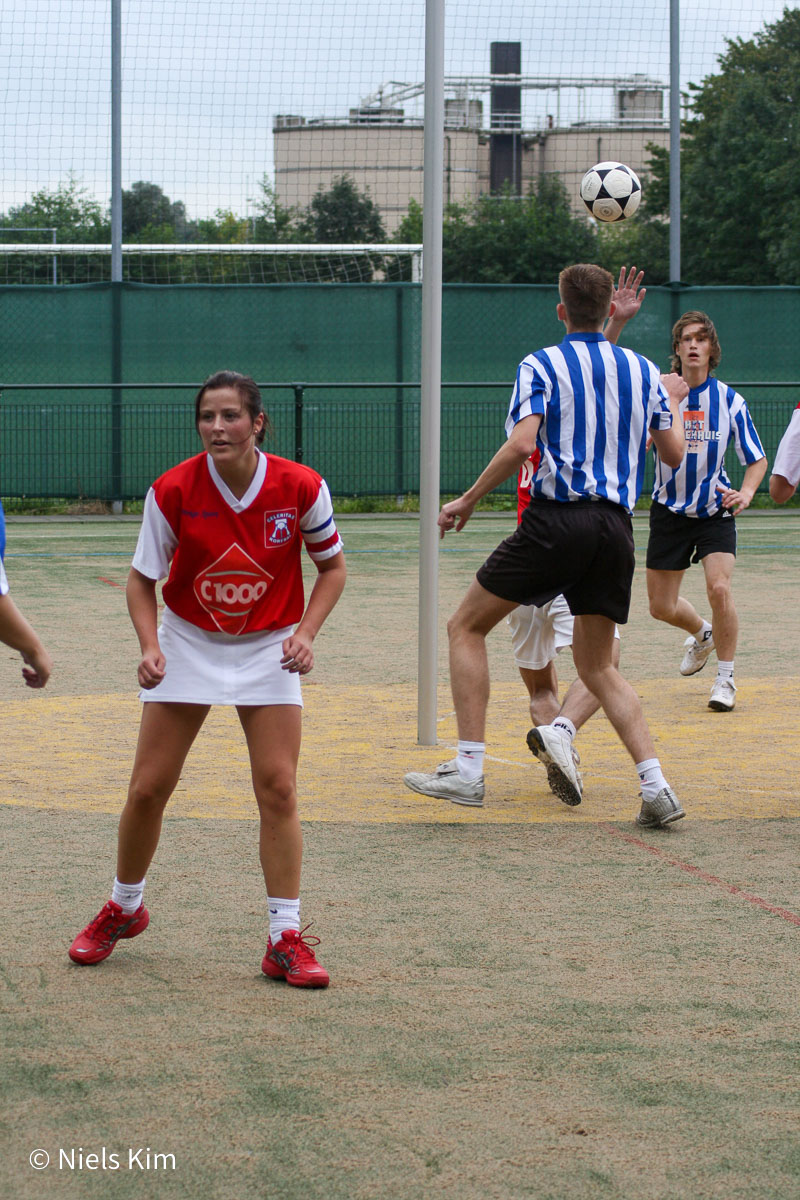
<point x="230" y="588"/>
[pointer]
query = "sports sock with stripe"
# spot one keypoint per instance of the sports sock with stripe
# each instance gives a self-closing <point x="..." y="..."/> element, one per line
<point x="651" y="777"/>
<point x="283" y="914"/>
<point x="469" y="759"/>
<point x="127" y="895"/>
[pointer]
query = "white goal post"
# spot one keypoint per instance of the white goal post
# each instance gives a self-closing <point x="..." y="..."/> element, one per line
<point x="227" y="262"/>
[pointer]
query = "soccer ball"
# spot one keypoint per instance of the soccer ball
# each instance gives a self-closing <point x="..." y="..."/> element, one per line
<point x="611" y="191"/>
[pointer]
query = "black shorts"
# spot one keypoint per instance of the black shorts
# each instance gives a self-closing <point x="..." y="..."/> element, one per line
<point x="583" y="549"/>
<point x="676" y="540"/>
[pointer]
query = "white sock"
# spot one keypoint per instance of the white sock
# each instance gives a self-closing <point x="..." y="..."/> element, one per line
<point x="704" y="633"/>
<point x="127" y="895"/>
<point x="651" y="778"/>
<point x="725" y="669"/>
<point x="283" y="914"/>
<point x="469" y="759"/>
<point x="566" y="726"/>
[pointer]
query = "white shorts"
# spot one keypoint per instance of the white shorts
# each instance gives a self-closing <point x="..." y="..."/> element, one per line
<point x="220" y="668"/>
<point x="539" y="633"/>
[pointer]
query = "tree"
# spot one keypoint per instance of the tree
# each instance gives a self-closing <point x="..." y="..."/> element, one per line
<point x="507" y="238"/>
<point x="75" y="216"/>
<point x="148" y="215"/>
<point x="68" y="208"/>
<point x="274" y="223"/>
<point x="409" y="231"/>
<point x="341" y="214"/>
<point x="224" y="226"/>
<point x="740" y="219"/>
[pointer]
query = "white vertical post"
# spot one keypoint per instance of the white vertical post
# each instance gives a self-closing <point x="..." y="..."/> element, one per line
<point x="430" y="399"/>
<point x="116" y="142"/>
<point x="674" y="142"/>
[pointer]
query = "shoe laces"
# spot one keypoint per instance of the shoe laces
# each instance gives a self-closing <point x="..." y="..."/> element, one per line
<point x="302" y="946"/>
<point x="105" y="923"/>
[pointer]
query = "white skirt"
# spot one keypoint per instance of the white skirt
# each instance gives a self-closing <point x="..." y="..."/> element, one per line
<point x="220" y="668"/>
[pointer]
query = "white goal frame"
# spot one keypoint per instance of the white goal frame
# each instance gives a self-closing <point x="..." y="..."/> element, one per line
<point x="277" y="249"/>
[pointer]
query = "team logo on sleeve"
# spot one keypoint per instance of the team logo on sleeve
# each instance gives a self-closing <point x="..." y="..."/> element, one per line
<point x="279" y="526"/>
<point x="230" y="588"/>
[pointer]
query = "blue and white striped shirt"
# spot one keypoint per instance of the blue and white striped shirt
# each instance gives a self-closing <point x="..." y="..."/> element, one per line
<point x="598" y="402"/>
<point x="713" y="414"/>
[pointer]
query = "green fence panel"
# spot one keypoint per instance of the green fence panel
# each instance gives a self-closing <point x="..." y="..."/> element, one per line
<point x="111" y="443"/>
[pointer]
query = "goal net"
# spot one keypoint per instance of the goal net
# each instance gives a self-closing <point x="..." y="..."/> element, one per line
<point x="53" y="264"/>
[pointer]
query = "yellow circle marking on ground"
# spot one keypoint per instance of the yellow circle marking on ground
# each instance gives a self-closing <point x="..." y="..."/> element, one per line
<point x="76" y="752"/>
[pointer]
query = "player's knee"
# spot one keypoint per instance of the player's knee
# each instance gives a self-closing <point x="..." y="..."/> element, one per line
<point x="456" y="626"/>
<point x="719" y="593"/>
<point x="661" y="608"/>
<point x="148" y="794"/>
<point x="277" y="795"/>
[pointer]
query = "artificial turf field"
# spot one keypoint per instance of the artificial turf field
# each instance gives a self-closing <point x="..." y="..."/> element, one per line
<point x="526" y="1000"/>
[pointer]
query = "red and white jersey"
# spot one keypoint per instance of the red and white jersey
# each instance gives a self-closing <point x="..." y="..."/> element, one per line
<point x="525" y="482"/>
<point x="787" y="457"/>
<point x="234" y="564"/>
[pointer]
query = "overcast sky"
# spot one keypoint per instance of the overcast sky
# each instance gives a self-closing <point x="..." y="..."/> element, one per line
<point x="203" y="79"/>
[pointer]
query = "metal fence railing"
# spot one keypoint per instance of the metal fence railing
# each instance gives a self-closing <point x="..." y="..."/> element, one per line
<point x="110" y="441"/>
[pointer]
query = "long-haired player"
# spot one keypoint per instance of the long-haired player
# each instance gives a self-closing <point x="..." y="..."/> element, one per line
<point x="226" y="529"/>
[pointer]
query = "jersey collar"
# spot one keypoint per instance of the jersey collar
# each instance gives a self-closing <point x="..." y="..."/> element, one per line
<point x="255" y="484"/>
<point x="692" y="400"/>
<point x="585" y="337"/>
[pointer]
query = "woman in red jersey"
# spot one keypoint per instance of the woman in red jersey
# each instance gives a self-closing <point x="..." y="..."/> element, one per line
<point x="226" y="529"/>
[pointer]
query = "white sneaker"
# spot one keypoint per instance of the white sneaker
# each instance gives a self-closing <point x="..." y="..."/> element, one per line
<point x="446" y="784"/>
<point x="723" y="695"/>
<point x="555" y="750"/>
<point x="696" y="654"/>
<point x="661" y="811"/>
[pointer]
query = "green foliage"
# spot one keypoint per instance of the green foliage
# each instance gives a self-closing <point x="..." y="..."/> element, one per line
<point x="515" y="239"/>
<point x="69" y="209"/>
<point x="274" y="222"/>
<point x="223" y="228"/>
<point x="740" y="220"/>
<point x="148" y="215"/>
<point x="341" y="214"/>
<point x="409" y="230"/>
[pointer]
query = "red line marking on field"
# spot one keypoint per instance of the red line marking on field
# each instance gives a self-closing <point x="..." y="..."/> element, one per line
<point x="704" y="875"/>
<point x="111" y="582"/>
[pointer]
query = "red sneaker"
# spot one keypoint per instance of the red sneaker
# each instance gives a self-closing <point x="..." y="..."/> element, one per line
<point x="292" y="959"/>
<point x="101" y="935"/>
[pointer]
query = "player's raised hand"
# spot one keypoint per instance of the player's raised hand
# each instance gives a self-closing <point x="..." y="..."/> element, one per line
<point x="628" y="295"/>
<point x="454" y="515"/>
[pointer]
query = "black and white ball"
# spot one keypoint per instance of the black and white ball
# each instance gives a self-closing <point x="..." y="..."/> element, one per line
<point x="611" y="191"/>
